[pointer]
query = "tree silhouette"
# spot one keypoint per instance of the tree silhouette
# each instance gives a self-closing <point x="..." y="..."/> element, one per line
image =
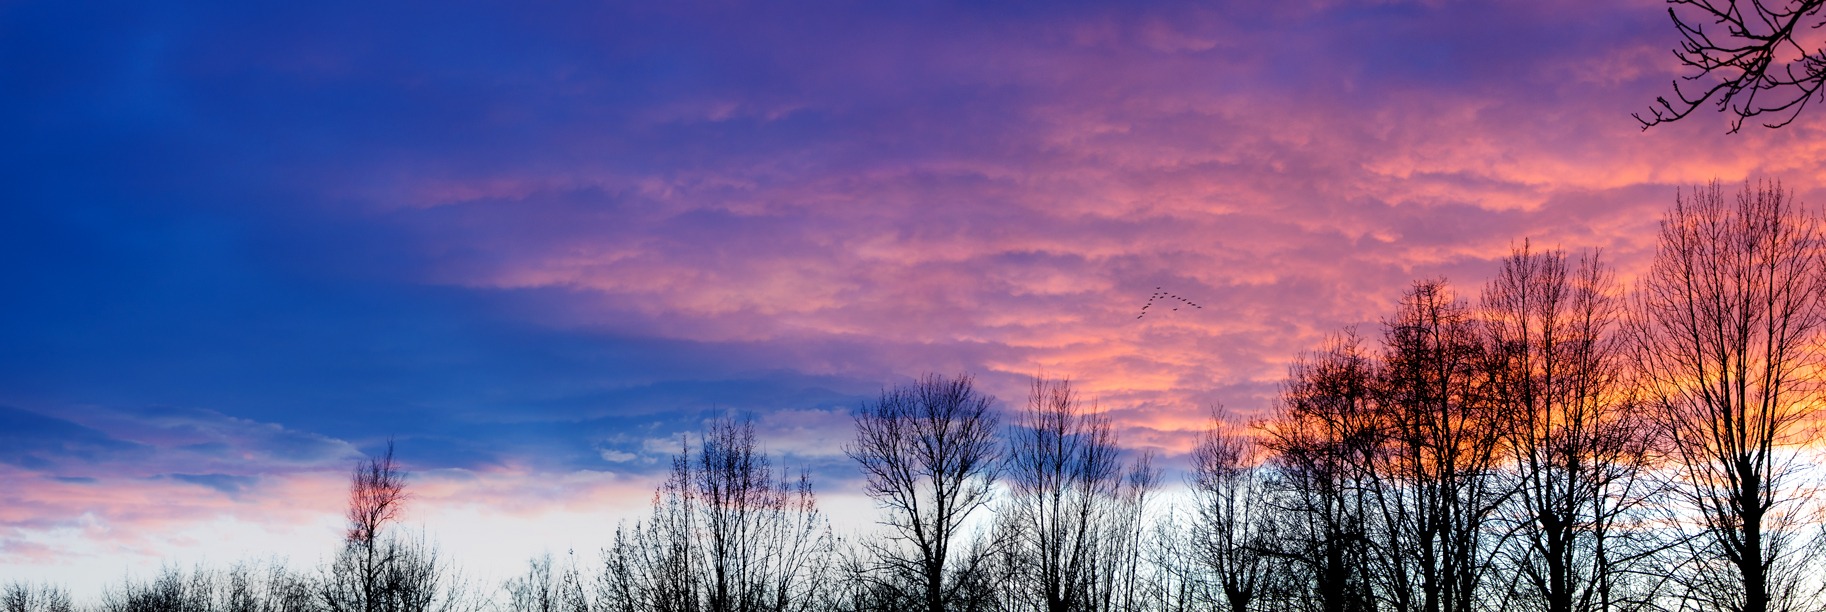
<point x="378" y="570"/>
<point x="377" y="491"/>
<point x="1726" y="327"/>
<point x="361" y="575"/>
<point x="28" y="597"/>
<point x="1578" y="444"/>
<point x="929" y="454"/>
<point x="545" y="588"/>
<point x="1233" y="529"/>
<point x="1066" y="481"/>
<point x="728" y="533"/>
<point x="1323" y="438"/>
<point x="1435" y="485"/>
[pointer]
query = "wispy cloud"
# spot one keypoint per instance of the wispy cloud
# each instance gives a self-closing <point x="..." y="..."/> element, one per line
<point x="534" y="246"/>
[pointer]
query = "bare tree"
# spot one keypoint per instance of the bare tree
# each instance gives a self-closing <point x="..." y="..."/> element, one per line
<point x="547" y="588"/>
<point x="242" y="587"/>
<point x="929" y="455"/>
<point x="1749" y="60"/>
<point x="1175" y="578"/>
<point x="1073" y="530"/>
<point x="378" y="570"/>
<point x="1727" y="330"/>
<point x="272" y="588"/>
<point x="651" y="567"/>
<point x="1125" y="533"/>
<point x="1436" y="484"/>
<point x="377" y="493"/>
<point x="1323" y="436"/>
<point x="1232" y="527"/>
<point x="28" y="597"/>
<point x="1064" y="471"/>
<point x="1579" y="443"/>
<point x="728" y="533"/>
<point x="171" y="591"/>
<point x="768" y="543"/>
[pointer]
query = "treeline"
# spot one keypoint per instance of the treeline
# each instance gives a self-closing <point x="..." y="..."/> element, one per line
<point x="1550" y="442"/>
<point x="379" y="568"/>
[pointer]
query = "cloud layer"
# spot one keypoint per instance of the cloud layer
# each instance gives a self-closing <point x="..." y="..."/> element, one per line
<point x="534" y="245"/>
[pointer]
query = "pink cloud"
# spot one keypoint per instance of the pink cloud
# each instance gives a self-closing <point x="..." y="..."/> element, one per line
<point x="1130" y="153"/>
<point x="877" y="196"/>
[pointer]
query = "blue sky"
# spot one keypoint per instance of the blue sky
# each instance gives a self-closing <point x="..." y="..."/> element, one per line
<point x="533" y="244"/>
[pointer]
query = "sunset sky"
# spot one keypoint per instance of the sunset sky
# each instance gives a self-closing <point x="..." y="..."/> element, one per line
<point x="247" y="243"/>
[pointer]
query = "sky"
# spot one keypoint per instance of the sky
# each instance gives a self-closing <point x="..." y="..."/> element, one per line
<point x="533" y="243"/>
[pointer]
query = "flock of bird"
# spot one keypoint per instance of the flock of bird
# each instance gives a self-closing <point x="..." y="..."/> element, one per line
<point x="1162" y="296"/>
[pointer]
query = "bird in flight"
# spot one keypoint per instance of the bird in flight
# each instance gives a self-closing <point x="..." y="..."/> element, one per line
<point x="1166" y="298"/>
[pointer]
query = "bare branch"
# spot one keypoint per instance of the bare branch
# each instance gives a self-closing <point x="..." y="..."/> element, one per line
<point x="1748" y="63"/>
